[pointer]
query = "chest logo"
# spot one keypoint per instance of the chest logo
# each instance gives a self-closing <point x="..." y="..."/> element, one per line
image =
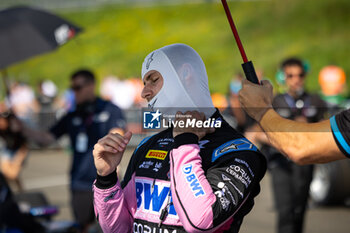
<point x="156" y="154"/>
<point x="151" y="199"/>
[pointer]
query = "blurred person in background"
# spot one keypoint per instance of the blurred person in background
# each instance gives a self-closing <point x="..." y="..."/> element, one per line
<point x="237" y="117"/>
<point x="46" y="95"/>
<point x="219" y="100"/>
<point x="290" y="182"/>
<point x="120" y="92"/>
<point x="92" y="119"/>
<point x="139" y="102"/>
<point x="332" y="80"/>
<point x="14" y="148"/>
<point x="22" y="102"/>
<point x="65" y="103"/>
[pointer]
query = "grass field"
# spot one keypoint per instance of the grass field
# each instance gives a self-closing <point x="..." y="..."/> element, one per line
<point x="117" y="38"/>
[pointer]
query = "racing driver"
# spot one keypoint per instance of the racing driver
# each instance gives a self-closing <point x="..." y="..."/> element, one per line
<point x="182" y="179"/>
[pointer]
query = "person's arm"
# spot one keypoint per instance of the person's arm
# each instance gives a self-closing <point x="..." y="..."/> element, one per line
<point x="256" y="135"/>
<point x="12" y="167"/>
<point x="208" y="201"/>
<point x="43" y="138"/>
<point x="114" y="206"/>
<point x="112" y="209"/>
<point x="304" y="143"/>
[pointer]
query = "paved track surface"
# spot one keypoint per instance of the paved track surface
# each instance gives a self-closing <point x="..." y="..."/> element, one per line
<point x="47" y="171"/>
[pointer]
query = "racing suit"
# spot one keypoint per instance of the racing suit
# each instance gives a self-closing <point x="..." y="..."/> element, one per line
<point x="182" y="185"/>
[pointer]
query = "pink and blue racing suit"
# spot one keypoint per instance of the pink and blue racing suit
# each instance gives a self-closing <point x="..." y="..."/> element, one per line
<point x="183" y="185"/>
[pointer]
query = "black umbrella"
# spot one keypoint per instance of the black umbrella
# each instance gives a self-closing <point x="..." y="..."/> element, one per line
<point x="26" y="32"/>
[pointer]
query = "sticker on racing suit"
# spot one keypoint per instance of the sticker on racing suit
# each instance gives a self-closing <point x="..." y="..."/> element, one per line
<point x="110" y="196"/>
<point x="192" y="180"/>
<point x="202" y="143"/>
<point x="239" y="174"/>
<point x="225" y="203"/>
<point x="168" y="175"/>
<point x="165" y="141"/>
<point x="146" y="164"/>
<point x="152" y="196"/>
<point x="246" y="164"/>
<point x="157" y="166"/>
<point x="225" y="178"/>
<point x="156" y="154"/>
<point x="232" y="146"/>
<point x="143" y="226"/>
<point x="221" y="196"/>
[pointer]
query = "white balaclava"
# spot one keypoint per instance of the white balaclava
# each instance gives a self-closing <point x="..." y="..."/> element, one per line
<point x="185" y="85"/>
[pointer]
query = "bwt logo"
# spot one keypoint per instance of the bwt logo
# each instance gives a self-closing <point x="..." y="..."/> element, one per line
<point x="153" y="200"/>
<point x="192" y="180"/>
<point x="151" y="120"/>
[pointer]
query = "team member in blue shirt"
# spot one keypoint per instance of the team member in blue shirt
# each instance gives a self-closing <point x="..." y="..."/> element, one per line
<point x="92" y="119"/>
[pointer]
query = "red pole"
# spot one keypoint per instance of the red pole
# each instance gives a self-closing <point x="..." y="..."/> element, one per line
<point x="234" y="31"/>
<point x="247" y="66"/>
